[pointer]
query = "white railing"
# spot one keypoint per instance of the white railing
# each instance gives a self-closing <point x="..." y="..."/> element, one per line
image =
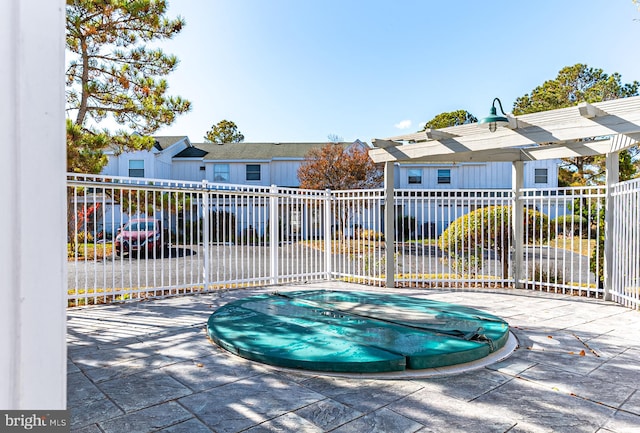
<point x="625" y="284"/>
<point x="562" y="253"/>
<point x="437" y="246"/>
<point x="211" y="237"/>
<point x="218" y="236"/>
<point x="355" y="236"/>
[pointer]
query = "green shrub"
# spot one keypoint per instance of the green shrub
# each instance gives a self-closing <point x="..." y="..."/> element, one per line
<point x="573" y="225"/>
<point x="596" y="261"/>
<point x="369" y="235"/>
<point x="490" y="228"/>
<point x="468" y="263"/>
<point x="83" y="237"/>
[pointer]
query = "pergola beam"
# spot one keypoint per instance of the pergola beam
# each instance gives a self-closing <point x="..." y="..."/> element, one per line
<point x="590" y="111"/>
<point x="535" y="153"/>
<point x="556" y="127"/>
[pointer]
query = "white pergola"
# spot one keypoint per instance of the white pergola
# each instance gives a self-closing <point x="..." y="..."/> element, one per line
<point x="603" y="128"/>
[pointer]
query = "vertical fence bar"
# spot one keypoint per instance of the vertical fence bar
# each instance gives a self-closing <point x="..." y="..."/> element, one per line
<point x="206" y="242"/>
<point x="273" y="233"/>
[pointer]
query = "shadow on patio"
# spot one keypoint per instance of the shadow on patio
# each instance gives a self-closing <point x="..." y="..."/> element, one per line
<point x="148" y="366"/>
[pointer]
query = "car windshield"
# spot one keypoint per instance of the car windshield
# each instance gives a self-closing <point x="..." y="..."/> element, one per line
<point x="140" y="226"/>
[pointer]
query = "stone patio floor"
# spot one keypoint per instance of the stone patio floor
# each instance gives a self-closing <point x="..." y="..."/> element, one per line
<point x="149" y="367"/>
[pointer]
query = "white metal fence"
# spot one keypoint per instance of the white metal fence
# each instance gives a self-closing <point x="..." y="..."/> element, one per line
<point x="625" y="275"/>
<point x="562" y="252"/>
<point x="218" y="236"/>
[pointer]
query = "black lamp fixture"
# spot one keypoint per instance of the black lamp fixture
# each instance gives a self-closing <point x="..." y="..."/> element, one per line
<point x="493" y="120"/>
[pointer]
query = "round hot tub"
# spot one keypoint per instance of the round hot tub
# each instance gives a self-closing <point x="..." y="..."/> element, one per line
<point x="355" y="332"/>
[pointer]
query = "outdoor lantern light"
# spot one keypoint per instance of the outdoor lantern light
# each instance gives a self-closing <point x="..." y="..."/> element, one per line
<point x="493" y="120"/>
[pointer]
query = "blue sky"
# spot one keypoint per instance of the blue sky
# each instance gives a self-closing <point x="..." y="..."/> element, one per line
<point x="298" y="70"/>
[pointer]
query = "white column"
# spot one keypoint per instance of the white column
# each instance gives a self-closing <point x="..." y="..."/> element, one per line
<point x="32" y="192"/>
<point x="613" y="176"/>
<point x="389" y="229"/>
<point x="517" y="183"/>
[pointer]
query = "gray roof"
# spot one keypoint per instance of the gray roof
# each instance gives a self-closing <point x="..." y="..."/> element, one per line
<point x="191" y="152"/>
<point x="164" y="142"/>
<point x="258" y="151"/>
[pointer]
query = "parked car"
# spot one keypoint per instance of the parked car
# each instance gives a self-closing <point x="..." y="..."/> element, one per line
<point x="141" y="235"/>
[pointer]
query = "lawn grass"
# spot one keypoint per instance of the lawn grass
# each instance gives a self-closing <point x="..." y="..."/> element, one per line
<point x="90" y="251"/>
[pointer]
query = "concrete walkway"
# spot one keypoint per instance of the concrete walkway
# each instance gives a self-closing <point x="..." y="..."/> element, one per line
<point x="148" y="366"/>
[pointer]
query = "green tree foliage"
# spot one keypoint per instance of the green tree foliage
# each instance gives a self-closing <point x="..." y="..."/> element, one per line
<point x="489" y="229"/>
<point x="224" y="131"/>
<point x="573" y="85"/>
<point x="451" y="118"/>
<point x="111" y="73"/>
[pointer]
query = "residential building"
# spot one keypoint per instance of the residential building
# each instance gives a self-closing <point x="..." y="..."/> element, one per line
<point x="264" y="164"/>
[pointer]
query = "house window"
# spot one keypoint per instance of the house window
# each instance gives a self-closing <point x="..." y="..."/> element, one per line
<point x="444" y="176"/>
<point x="541" y="175"/>
<point x="253" y="172"/>
<point x="415" y="175"/>
<point x="221" y="173"/>
<point x="136" y="168"/>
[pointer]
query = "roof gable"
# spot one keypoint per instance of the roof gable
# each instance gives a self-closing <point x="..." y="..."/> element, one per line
<point x="164" y="142"/>
<point x="190" y="152"/>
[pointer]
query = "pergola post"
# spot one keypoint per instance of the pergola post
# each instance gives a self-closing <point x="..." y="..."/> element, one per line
<point x="389" y="229"/>
<point x="517" y="183"/>
<point x="33" y="362"/>
<point x="612" y="177"/>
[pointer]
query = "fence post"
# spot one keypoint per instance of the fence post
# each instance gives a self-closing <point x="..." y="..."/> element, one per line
<point x="613" y="176"/>
<point x="274" y="233"/>
<point x="205" y="233"/>
<point x="389" y="229"/>
<point x="517" y="183"/>
<point x="328" y="223"/>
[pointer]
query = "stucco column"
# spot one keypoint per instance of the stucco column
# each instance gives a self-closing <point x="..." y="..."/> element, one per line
<point x="389" y="229"/>
<point x="613" y="176"/>
<point x="32" y="192"/>
<point x="517" y="183"/>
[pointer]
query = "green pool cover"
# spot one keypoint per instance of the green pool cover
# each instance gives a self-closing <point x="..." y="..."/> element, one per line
<point x="355" y="332"/>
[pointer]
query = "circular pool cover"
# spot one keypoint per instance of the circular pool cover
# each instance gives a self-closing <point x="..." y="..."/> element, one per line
<point x="355" y="332"/>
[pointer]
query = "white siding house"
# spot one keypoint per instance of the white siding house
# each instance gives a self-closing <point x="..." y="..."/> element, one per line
<point x="264" y="164"/>
<point x="477" y="175"/>
<point x="156" y="163"/>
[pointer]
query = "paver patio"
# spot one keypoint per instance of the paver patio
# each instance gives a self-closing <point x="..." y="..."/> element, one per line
<point x="148" y="366"/>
